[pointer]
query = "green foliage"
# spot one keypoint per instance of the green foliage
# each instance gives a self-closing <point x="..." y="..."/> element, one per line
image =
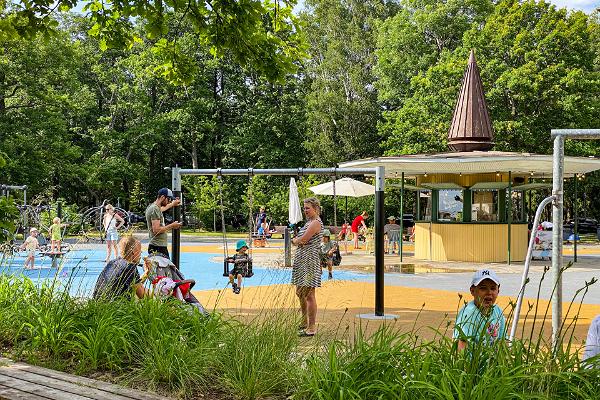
<point x="168" y="347"/>
<point x="526" y="54"/>
<point x="258" y="33"/>
<point x="8" y="216"/>
<point x="342" y="104"/>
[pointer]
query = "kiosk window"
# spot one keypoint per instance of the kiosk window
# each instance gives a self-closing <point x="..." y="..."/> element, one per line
<point x="484" y="206"/>
<point x="450" y="205"/>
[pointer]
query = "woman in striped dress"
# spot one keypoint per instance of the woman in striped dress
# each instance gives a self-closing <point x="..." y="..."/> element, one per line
<point x="306" y="273"/>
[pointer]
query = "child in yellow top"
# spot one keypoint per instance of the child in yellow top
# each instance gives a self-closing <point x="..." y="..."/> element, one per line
<point x="30" y="244"/>
<point x="55" y="232"/>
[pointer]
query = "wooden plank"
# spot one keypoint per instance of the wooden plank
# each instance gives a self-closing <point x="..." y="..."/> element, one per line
<point x="83" y="381"/>
<point x="7" y="393"/>
<point x="40" y="390"/>
<point x="60" y="384"/>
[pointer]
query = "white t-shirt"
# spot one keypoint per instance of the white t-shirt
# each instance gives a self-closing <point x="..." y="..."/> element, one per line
<point x="592" y="344"/>
<point x="31" y="243"/>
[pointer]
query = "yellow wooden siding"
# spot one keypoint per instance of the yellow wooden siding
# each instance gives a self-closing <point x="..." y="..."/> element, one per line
<point x="469" y="242"/>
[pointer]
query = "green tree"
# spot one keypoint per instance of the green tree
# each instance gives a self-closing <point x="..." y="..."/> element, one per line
<point x="537" y="66"/>
<point x="342" y="106"/>
<point x="260" y="33"/>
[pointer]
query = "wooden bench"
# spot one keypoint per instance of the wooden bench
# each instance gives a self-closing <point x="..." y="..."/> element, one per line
<point x="27" y="382"/>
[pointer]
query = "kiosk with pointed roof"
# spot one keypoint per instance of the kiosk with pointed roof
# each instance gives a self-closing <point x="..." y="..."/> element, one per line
<point x="471" y="203"/>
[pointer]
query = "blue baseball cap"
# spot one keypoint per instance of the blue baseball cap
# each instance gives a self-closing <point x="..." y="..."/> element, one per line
<point x="165" y="192"/>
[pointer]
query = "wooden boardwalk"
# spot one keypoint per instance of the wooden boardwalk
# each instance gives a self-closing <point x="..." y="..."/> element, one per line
<point x="20" y="381"/>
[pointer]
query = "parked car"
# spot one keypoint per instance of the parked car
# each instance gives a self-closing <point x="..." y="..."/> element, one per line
<point x="584" y="225"/>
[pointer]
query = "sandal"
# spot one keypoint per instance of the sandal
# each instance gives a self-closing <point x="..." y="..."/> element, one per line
<point x="306" y="334"/>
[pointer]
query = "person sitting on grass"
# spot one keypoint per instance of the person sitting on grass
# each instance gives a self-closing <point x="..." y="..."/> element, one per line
<point x="481" y="320"/>
<point x="328" y="250"/>
<point x="30" y="244"/>
<point x="120" y="276"/>
<point x="240" y="265"/>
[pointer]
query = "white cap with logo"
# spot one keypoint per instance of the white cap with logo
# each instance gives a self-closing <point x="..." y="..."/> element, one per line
<point x="484" y="274"/>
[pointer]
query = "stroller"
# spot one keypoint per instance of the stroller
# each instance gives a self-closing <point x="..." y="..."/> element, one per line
<point x="167" y="280"/>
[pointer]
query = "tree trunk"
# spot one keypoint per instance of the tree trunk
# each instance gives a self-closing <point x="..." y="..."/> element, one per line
<point x="194" y="154"/>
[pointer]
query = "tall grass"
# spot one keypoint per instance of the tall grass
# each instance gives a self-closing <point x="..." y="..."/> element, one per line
<point x="169" y="348"/>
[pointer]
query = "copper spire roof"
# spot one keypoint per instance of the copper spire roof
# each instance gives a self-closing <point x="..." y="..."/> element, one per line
<point x="471" y="127"/>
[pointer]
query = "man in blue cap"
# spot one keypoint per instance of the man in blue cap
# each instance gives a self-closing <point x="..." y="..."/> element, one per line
<point x="157" y="230"/>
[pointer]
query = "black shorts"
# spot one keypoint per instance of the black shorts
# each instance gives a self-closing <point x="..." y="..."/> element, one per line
<point x="235" y="271"/>
<point x="158" y="250"/>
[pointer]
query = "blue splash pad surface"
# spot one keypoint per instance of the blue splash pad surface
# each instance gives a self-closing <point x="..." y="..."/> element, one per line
<point x="82" y="267"/>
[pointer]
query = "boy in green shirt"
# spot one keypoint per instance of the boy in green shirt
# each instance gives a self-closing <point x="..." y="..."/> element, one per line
<point x="481" y="320"/>
<point x="157" y="230"/>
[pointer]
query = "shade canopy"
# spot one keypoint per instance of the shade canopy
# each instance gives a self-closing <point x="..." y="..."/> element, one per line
<point x="489" y="186"/>
<point x="294" y="211"/>
<point x="344" y="187"/>
<point x="475" y="162"/>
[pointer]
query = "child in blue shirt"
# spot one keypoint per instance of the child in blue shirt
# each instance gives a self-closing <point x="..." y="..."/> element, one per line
<point x="481" y="320"/>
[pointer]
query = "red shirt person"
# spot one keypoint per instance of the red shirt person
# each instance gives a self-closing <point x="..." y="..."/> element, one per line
<point x="357" y="223"/>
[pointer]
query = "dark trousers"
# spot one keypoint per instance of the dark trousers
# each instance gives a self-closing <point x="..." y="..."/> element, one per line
<point x="158" y="250"/>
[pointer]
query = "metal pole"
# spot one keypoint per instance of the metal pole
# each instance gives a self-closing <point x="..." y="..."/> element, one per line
<point x="25" y="215"/>
<point x="401" y="216"/>
<point x="287" y="239"/>
<point x="536" y="222"/>
<point x="557" y="230"/>
<point x="575" y="228"/>
<point x="509" y="219"/>
<point x="379" y="247"/>
<point x="176" y="244"/>
<point x="334" y="201"/>
<point x="280" y="171"/>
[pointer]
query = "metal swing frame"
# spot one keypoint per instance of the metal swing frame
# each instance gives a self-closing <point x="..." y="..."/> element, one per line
<point x="379" y="172"/>
<point x="557" y="200"/>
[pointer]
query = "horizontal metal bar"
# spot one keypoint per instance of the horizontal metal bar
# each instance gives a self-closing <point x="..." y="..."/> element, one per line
<point x="13" y="187"/>
<point x="281" y="171"/>
<point x="576" y="133"/>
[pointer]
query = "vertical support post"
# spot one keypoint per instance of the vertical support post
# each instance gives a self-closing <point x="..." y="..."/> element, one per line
<point x="557" y="236"/>
<point x="25" y="214"/>
<point x="509" y="212"/>
<point x="176" y="242"/>
<point x="346" y="212"/>
<point x="287" y="239"/>
<point x="575" y="228"/>
<point x="418" y="217"/>
<point x="59" y="209"/>
<point x="334" y="199"/>
<point x="401" y="217"/>
<point x="379" y="248"/>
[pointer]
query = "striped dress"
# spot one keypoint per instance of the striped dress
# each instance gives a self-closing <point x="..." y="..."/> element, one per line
<point x="306" y="270"/>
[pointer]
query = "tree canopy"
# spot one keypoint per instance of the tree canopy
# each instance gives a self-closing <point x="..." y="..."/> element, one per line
<point x="94" y="106"/>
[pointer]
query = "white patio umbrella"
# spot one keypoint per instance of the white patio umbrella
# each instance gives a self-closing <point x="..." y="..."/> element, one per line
<point x="294" y="211"/>
<point x="347" y="187"/>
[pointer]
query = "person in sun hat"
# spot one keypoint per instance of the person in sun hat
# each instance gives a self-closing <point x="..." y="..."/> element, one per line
<point x="241" y="265"/>
<point x="30" y="244"/>
<point x="481" y="320"/>
<point x="157" y="230"/>
<point x="391" y="230"/>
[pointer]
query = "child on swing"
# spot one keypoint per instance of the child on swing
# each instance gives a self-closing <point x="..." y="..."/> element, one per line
<point x="55" y="232"/>
<point x="240" y="265"/>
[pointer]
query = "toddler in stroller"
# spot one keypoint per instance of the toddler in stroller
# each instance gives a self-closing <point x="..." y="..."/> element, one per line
<point x="167" y="280"/>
